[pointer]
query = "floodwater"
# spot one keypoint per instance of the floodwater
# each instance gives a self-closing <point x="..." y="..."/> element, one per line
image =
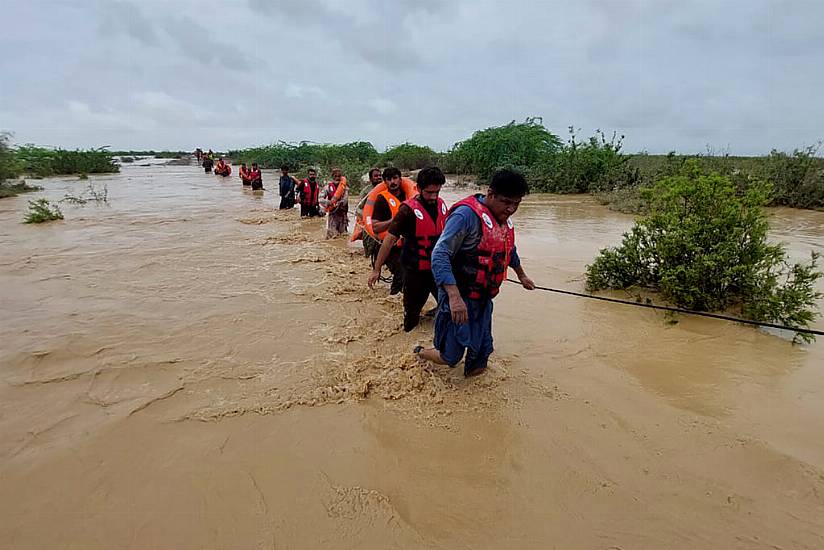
<point x="185" y="368"/>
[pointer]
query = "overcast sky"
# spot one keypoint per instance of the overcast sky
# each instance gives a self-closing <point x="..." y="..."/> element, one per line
<point x="742" y="76"/>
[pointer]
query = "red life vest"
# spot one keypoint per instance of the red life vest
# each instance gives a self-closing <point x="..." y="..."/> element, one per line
<point x="417" y="252"/>
<point x="480" y="272"/>
<point x="309" y="196"/>
<point x="254" y="175"/>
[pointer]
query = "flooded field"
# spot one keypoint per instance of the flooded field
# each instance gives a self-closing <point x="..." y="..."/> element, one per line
<point x="186" y="368"/>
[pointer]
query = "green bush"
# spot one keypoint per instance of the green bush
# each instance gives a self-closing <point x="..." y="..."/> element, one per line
<point x="515" y="145"/>
<point x="304" y="154"/>
<point x="41" y="210"/>
<point x="10" y="165"/>
<point x="798" y="178"/>
<point x="594" y="165"/>
<point x="704" y="247"/>
<point x="44" y="162"/>
<point x="408" y="156"/>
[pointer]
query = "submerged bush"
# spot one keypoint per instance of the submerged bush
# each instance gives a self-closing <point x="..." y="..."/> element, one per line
<point x="704" y="247"/>
<point x="41" y="211"/>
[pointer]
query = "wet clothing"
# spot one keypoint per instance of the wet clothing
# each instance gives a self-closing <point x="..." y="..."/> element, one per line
<point x="473" y="337"/>
<point x="461" y="235"/>
<point x="417" y="287"/>
<point x="381" y="213"/>
<point x="338" y="219"/>
<point x="370" y="245"/>
<point x="417" y="284"/>
<point x="244" y="175"/>
<point x="309" y="194"/>
<point x="287" y="192"/>
<point x="256" y="179"/>
<point x="207" y="164"/>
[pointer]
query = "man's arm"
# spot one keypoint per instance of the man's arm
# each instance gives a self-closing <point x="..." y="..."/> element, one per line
<point x="386" y="247"/>
<point x="515" y="264"/>
<point x="458" y="226"/>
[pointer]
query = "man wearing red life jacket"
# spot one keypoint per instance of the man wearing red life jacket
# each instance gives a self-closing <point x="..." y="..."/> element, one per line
<point x="244" y="175"/>
<point x="255" y="178"/>
<point x="419" y="220"/>
<point x="469" y="263"/>
<point x="309" y="192"/>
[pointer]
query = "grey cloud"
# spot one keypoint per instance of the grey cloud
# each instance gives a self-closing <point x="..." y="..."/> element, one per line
<point x="128" y="19"/>
<point x="669" y="74"/>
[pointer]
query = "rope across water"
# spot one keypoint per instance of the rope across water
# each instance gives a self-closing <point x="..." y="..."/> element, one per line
<point x="678" y="310"/>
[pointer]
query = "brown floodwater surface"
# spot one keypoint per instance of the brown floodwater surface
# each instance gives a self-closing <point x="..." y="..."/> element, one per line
<point x="187" y="368"/>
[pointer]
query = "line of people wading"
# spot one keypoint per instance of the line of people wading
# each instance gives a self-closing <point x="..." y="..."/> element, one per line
<point x="458" y="255"/>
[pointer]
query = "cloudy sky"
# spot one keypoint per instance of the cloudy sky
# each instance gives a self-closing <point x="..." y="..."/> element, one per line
<point x="742" y="76"/>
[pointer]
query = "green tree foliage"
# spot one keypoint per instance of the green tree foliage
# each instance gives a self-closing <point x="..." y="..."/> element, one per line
<point x="704" y="247"/>
<point x="798" y="177"/>
<point x="354" y="159"/>
<point x="408" y="156"/>
<point x="515" y="145"/>
<point x="10" y="168"/>
<point x="593" y="165"/>
<point x="44" y="162"/>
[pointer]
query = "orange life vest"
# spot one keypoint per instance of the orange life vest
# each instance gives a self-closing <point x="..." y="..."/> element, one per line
<point x="381" y="189"/>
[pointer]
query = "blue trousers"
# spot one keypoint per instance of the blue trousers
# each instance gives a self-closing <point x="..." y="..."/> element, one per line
<point x="474" y="338"/>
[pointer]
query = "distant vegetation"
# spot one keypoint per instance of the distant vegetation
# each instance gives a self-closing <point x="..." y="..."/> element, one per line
<point x="152" y="153"/>
<point x="10" y="169"/>
<point x="354" y="159"/>
<point x="596" y="164"/>
<point x="43" y="162"/>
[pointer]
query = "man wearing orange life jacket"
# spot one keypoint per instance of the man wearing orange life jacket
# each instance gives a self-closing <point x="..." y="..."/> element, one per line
<point x="244" y="175"/>
<point x="335" y="200"/>
<point x="420" y="221"/>
<point x="309" y="193"/>
<point x="469" y="263"/>
<point x="386" y="206"/>
<point x="221" y="168"/>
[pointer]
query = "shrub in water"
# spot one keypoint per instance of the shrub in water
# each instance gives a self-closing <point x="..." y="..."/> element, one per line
<point x="704" y="247"/>
<point x="41" y="211"/>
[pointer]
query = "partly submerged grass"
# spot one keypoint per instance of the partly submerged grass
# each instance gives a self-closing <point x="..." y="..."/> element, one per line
<point x="41" y="210"/>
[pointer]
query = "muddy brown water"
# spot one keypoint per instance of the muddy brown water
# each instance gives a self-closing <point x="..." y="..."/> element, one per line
<point x="185" y="368"/>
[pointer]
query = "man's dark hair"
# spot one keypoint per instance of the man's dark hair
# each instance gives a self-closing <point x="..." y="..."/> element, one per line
<point x="509" y="184"/>
<point x="284" y="167"/>
<point x="390" y="173"/>
<point x="431" y="175"/>
<point x="312" y="170"/>
<point x="372" y="171"/>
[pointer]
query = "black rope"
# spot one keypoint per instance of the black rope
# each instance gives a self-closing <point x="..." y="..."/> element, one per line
<point x="678" y="310"/>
